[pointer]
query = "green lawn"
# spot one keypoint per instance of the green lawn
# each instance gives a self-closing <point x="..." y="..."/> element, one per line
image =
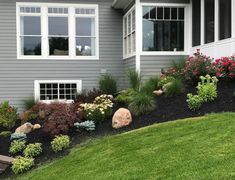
<point x="198" y="148"/>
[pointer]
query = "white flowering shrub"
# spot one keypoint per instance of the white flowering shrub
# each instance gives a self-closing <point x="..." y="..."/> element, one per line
<point x="100" y="109"/>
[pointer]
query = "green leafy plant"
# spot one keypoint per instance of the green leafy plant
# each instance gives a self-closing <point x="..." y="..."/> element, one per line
<point x="59" y="143"/>
<point x="165" y="80"/>
<point x="22" y="164"/>
<point x="33" y="150"/>
<point x="87" y="125"/>
<point x="194" y="102"/>
<point x="107" y="84"/>
<point x="100" y="109"/>
<point x="8" y="115"/>
<point x="125" y="96"/>
<point x="150" y="85"/>
<point x="134" y="79"/>
<point x="5" y="134"/>
<point x="141" y="103"/>
<point x="173" y="88"/>
<point x="206" y="92"/>
<point x="207" y="88"/>
<point x="29" y="103"/>
<point x="17" y="146"/>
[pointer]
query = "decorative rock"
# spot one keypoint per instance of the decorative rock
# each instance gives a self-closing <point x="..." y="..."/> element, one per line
<point x="158" y="92"/>
<point x="27" y="128"/>
<point x="121" y="118"/>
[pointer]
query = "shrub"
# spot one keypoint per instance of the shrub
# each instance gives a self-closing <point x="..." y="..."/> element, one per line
<point x="150" y="85"/>
<point x="225" y="67"/>
<point x="100" y="109"/>
<point x="22" y="164"/>
<point x="207" y="88"/>
<point x="134" y="79"/>
<point x="57" y="118"/>
<point x="108" y="84"/>
<point x="173" y="88"/>
<point x="27" y="116"/>
<point x="88" y="97"/>
<point x="59" y="143"/>
<point x="8" y="115"/>
<point x="141" y="103"/>
<point x="176" y="69"/>
<point x="198" y="65"/>
<point x="29" y="103"/>
<point x="194" y="102"/>
<point x="59" y="122"/>
<point x="5" y="134"/>
<point x="125" y="97"/>
<point x="87" y="125"/>
<point x="33" y="150"/>
<point x="17" y="146"/>
<point x="165" y="80"/>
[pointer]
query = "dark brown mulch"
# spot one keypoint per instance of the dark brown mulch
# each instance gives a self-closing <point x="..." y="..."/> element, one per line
<point x="168" y="109"/>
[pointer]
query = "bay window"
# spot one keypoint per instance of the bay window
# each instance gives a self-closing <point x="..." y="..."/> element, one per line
<point x="209" y="21"/>
<point x="196" y="22"/>
<point x="129" y="33"/>
<point x="225" y="15"/>
<point x="163" y="28"/>
<point x="59" y="31"/>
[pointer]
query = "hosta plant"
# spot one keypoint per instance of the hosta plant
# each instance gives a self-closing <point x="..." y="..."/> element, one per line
<point x="33" y="150"/>
<point x="17" y="146"/>
<point x="22" y="164"/>
<point x="60" y="143"/>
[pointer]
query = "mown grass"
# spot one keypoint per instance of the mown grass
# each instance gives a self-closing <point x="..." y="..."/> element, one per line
<point x="196" y="148"/>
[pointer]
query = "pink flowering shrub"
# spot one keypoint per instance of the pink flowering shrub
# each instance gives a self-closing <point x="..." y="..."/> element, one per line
<point x="225" y="67"/>
<point x="198" y="65"/>
<point x="194" y="67"/>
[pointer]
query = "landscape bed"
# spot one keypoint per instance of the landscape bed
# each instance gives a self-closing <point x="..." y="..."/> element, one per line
<point x="168" y="109"/>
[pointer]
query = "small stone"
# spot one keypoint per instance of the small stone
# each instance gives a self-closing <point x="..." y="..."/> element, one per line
<point x="27" y="128"/>
<point x="158" y="92"/>
<point x="121" y="118"/>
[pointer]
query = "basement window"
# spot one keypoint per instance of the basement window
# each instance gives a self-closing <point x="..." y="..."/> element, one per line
<point x="49" y="91"/>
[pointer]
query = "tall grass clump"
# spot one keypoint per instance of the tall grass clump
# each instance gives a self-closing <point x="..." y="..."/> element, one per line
<point x="134" y="79"/>
<point x="108" y="84"/>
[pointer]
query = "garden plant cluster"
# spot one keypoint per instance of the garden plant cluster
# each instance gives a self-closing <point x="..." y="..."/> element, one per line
<point x="90" y="108"/>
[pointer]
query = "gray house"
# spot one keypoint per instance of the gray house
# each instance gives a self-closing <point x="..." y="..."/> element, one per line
<point x="50" y="49"/>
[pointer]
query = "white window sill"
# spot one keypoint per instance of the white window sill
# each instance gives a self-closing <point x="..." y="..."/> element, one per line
<point x="57" y="58"/>
<point x="164" y="53"/>
<point x="57" y="101"/>
<point x="130" y="56"/>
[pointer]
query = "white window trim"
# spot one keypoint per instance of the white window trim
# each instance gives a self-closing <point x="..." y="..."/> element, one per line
<point x="187" y="39"/>
<point x="133" y="53"/>
<point x="37" y="89"/>
<point x="44" y="30"/>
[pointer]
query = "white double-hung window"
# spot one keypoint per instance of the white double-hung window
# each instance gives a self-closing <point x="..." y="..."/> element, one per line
<point x="129" y="33"/>
<point x="57" y="31"/>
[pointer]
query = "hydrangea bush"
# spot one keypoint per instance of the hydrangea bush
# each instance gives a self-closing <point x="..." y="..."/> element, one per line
<point x="100" y="109"/>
